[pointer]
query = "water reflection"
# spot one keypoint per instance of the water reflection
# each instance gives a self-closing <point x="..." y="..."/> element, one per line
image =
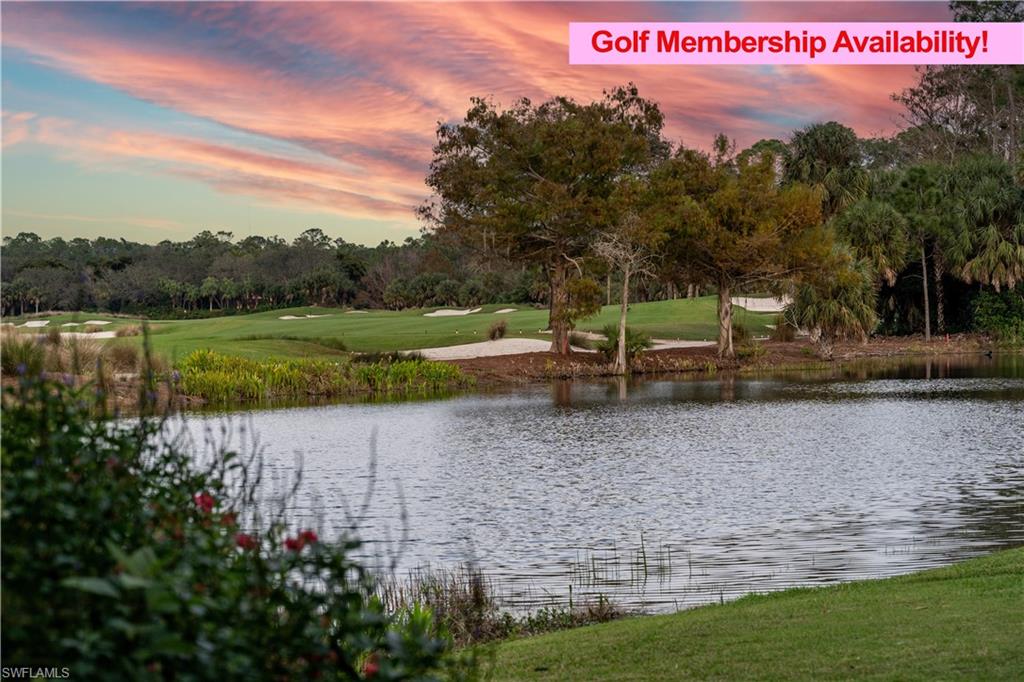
<point x="670" y="493"/>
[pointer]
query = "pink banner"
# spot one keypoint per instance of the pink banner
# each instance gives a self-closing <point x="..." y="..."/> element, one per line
<point x="795" y="43"/>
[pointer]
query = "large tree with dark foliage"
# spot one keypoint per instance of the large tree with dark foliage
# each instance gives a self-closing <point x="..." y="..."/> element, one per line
<point x="534" y="182"/>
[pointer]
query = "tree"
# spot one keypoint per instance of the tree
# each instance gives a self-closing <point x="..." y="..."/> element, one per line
<point x="877" y="232"/>
<point x="733" y="224"/>
<point x="839" y="304"/>
<point x="828" y="157"/>
<point x="918" y="196"/>
<point x="983" y="216"/>
<point x="629" y="246"/>
<point x="533" y="181"/>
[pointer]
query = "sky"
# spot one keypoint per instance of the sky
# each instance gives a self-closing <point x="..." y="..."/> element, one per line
<point x="156" y="121"/>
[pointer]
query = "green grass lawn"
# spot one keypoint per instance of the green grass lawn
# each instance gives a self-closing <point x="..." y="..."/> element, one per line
<point x="387" y="330"/>
<point x="965" y="621"/>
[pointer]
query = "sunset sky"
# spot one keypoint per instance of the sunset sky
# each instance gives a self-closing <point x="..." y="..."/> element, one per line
<point x="156" y="121"/>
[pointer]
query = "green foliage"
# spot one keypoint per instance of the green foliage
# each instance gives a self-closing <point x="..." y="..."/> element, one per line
<point x="636" y="343"/>
<point x="226" y="378"/>
<point x="839" y="305"/>
<point x="878" y="233"/>
<point x="128" y="557"/>
<point x="1001" y="315"/>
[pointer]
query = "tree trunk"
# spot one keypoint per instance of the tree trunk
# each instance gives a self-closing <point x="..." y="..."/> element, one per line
<point x="1014" y="140"/>
<point x="620" y="355"/>
<point x="608" y="289"/>
<point x="725" y="348"/>
<point x="939" y="267"/>
<point x="924" y="285"/>
<point x="558" y="318"/>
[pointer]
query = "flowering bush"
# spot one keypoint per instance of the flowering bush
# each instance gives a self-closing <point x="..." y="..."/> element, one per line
<point x="124" y="559"/>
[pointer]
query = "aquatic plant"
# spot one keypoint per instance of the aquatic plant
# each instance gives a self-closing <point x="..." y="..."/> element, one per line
<point x="225" y="378"/>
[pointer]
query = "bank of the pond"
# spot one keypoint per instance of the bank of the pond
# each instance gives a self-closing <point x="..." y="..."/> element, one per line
<point x="751" y="357"/>
<point x="962" y="621"/>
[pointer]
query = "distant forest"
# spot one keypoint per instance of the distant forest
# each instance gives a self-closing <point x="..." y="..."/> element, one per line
<point x="213" y="274"/>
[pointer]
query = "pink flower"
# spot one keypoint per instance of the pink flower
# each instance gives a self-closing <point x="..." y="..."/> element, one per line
<point x="205" y="502"/>
<point x="245" y="541"/>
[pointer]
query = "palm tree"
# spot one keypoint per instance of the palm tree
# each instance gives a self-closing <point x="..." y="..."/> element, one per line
<point x="828" y="157"/>
<point x="877" y="232"/>
<point x="838" y="305"/>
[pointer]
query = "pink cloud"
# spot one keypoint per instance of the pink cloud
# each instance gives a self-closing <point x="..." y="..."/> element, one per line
<point x="364" y="85"/>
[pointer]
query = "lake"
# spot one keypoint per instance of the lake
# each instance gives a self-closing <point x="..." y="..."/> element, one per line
<point x="670" y="493"/>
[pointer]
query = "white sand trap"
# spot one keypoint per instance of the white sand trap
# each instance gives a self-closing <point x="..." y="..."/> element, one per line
<point x="761" y="305"/>
<point x="312" y="316"/>
<point x="356" y="312"/>
<point x="291" y="317"/>
<point x="451" y="313"/>
<point x="97" y="322"/>
<point x="486" y="349"/>
<point x="72" y="324"/>
<point x="505" y="310"/>
<point x="89" y="335"/>
<point x="36" y="323"/>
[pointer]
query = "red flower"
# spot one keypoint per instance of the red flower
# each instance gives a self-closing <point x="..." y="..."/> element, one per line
<point x="308" y="537"/>
<point x="229" y="519"/>
<point x="293" y="544"/>
<point x="305" y="537"/>
<point x="245" y="541"/>
<point x="371" y="667"/>
<point x="205" y="502"/>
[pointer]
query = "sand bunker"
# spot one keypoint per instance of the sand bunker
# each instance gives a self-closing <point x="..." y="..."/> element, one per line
<point x="352" y="312"/>
<point x="36" y="323"/>
<point x="97" y="322"/>
<point x="451" y="313"/>
<point x="72" y="324"/>
<point x="505" y="310"/>
<point x="89" y="335"/>
<point x="486" y="349"/>
<point x="301" y="317"/>
<point x="761" y="305"/>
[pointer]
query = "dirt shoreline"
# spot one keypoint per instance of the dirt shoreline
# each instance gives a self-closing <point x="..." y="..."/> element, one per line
<point x="528" y="368"/>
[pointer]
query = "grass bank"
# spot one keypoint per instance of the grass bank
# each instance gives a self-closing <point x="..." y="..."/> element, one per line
<point x="964" y="621"/>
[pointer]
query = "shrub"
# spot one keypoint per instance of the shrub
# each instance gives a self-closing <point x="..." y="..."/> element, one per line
<point x="53" y="337"/>
<point x="783" y="330"/>
<point x="740" y="334"/>
<point x="125" y="558"/>
<point x="579" y="340"/>
<point x="839" y="306"/>
<point x="1001" y="315"/>
<point x="497" y="330"/>
<point x="122" y="357"/>
<point x="21" y="354"/>
<point x="129" y="330"/>
<point x="636" y="343"/>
